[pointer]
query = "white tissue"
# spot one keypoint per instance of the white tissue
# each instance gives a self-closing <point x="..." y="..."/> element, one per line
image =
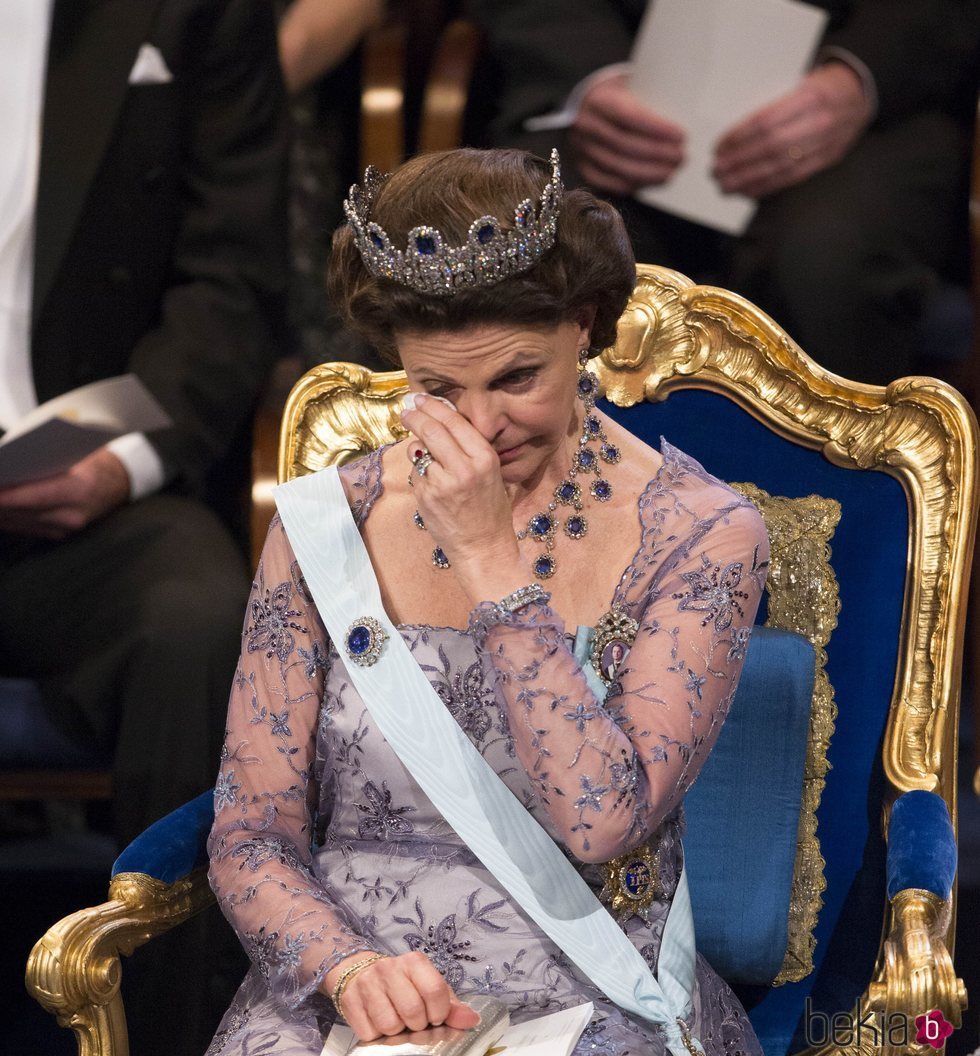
<point x="409" y="404"/>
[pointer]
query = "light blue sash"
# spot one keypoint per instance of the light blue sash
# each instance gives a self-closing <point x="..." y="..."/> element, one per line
<point x="462" y="785"/>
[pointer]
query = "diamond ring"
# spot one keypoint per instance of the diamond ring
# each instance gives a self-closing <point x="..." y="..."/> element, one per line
<point x="422" y="464"/>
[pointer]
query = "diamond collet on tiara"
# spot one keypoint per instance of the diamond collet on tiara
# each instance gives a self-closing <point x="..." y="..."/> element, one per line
<point x="489" y="254"/>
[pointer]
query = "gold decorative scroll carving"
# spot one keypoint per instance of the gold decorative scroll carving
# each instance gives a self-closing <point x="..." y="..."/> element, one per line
<point x="921" y="431"/>
<point x="336" y="412"/>
<point x="74" y="969"/>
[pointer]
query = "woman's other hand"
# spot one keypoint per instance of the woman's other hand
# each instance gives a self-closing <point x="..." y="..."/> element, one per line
<point x="396" y="994"/>
<point x="620" y="144"/>
<point x="797" y="136"/>
<point x="461" y="497"/>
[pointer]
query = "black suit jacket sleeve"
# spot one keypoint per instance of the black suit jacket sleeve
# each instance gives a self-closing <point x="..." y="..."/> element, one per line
<point x="220" y="317"/>
<point x="539" y="51"/>
<point x="922" y="53"/>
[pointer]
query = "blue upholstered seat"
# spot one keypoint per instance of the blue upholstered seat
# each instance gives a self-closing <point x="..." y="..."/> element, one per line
<point x="740" y="843"/>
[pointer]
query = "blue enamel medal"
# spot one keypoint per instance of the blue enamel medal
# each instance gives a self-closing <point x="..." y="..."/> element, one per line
<point x="632" y="882"/>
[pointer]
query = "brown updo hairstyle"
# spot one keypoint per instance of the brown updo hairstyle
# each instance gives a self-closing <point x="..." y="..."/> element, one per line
<point x="590" y="264"/>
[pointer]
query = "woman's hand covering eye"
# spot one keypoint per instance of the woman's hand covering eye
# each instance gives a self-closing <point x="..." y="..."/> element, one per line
<point x="461" y="497"/>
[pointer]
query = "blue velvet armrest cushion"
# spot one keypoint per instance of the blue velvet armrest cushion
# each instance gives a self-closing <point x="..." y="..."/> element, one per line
<point x="174" y="846"/>
<point x="743" y="813"/>
<point x="921" y="845"/>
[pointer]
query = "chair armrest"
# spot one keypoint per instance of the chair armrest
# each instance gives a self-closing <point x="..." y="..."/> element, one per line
<point x="921" y="845"/>
<point x="915" y="973"/>
<point x="159" y="881"/>
<point x="173" y="847"/>
<point x="74" y="970"/>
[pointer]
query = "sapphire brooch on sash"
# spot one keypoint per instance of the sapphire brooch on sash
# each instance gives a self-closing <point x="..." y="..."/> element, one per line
<point x="364" y="641"/>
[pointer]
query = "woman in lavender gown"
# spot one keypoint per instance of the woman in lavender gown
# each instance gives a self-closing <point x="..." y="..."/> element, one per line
<point x="522" y="540"/>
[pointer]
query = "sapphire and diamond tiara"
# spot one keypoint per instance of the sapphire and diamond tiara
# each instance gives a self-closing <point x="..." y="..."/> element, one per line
<point x="490" y="253"/>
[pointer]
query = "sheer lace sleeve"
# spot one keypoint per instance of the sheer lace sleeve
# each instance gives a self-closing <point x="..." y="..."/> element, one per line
<point x="608" y="773"/>
<point x="266" y="793"/>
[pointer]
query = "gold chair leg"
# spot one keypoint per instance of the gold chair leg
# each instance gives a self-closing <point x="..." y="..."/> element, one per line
<point x="916" y="973"/>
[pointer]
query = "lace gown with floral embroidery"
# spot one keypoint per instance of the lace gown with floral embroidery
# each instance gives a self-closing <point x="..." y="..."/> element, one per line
<point x="323" y="845"/>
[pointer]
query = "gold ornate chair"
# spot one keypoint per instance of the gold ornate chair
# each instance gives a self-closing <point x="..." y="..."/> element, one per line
<point x="870" y="498"/>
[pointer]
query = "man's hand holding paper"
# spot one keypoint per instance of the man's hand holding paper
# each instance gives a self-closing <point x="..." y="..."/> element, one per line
<point x="58" y="506"/>
<point x="57" y="476"/>
<point x="802" y="133"/>
<point x="718" y="72"/>
<point x="623" y="145"/>
<point x="620" y="143"/>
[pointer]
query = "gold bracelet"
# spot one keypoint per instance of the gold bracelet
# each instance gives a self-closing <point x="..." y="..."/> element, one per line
<point x="347" y="975"/>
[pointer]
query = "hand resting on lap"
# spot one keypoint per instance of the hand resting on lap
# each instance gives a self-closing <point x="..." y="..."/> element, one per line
<point x="396" y="994"/>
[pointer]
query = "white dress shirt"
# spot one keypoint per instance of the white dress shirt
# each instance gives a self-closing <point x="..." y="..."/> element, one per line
<point x="24" y="30"/>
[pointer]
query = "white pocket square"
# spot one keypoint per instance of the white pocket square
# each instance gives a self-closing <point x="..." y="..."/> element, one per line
<point x="150" y="67"/>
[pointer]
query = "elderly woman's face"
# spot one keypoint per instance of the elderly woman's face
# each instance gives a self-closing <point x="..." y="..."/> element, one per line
<point x="515" y="385"/>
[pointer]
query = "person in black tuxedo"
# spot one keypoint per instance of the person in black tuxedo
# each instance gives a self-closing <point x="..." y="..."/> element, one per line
<point x="860" y="169"/>
<point x="158" y="215"/>
<point x="142" y="229"/>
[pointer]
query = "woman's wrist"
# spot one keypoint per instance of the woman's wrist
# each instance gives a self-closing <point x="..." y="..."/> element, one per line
<point x="491" y="575"/>
<point x="509" y="610"/>
<point x="336" y="973"/>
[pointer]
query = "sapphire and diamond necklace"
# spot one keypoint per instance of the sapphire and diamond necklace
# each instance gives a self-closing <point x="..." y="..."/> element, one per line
<point x="588" y="461"/>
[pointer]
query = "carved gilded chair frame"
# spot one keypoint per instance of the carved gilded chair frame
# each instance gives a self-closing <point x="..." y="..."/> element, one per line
<point x="674" y="334"/>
